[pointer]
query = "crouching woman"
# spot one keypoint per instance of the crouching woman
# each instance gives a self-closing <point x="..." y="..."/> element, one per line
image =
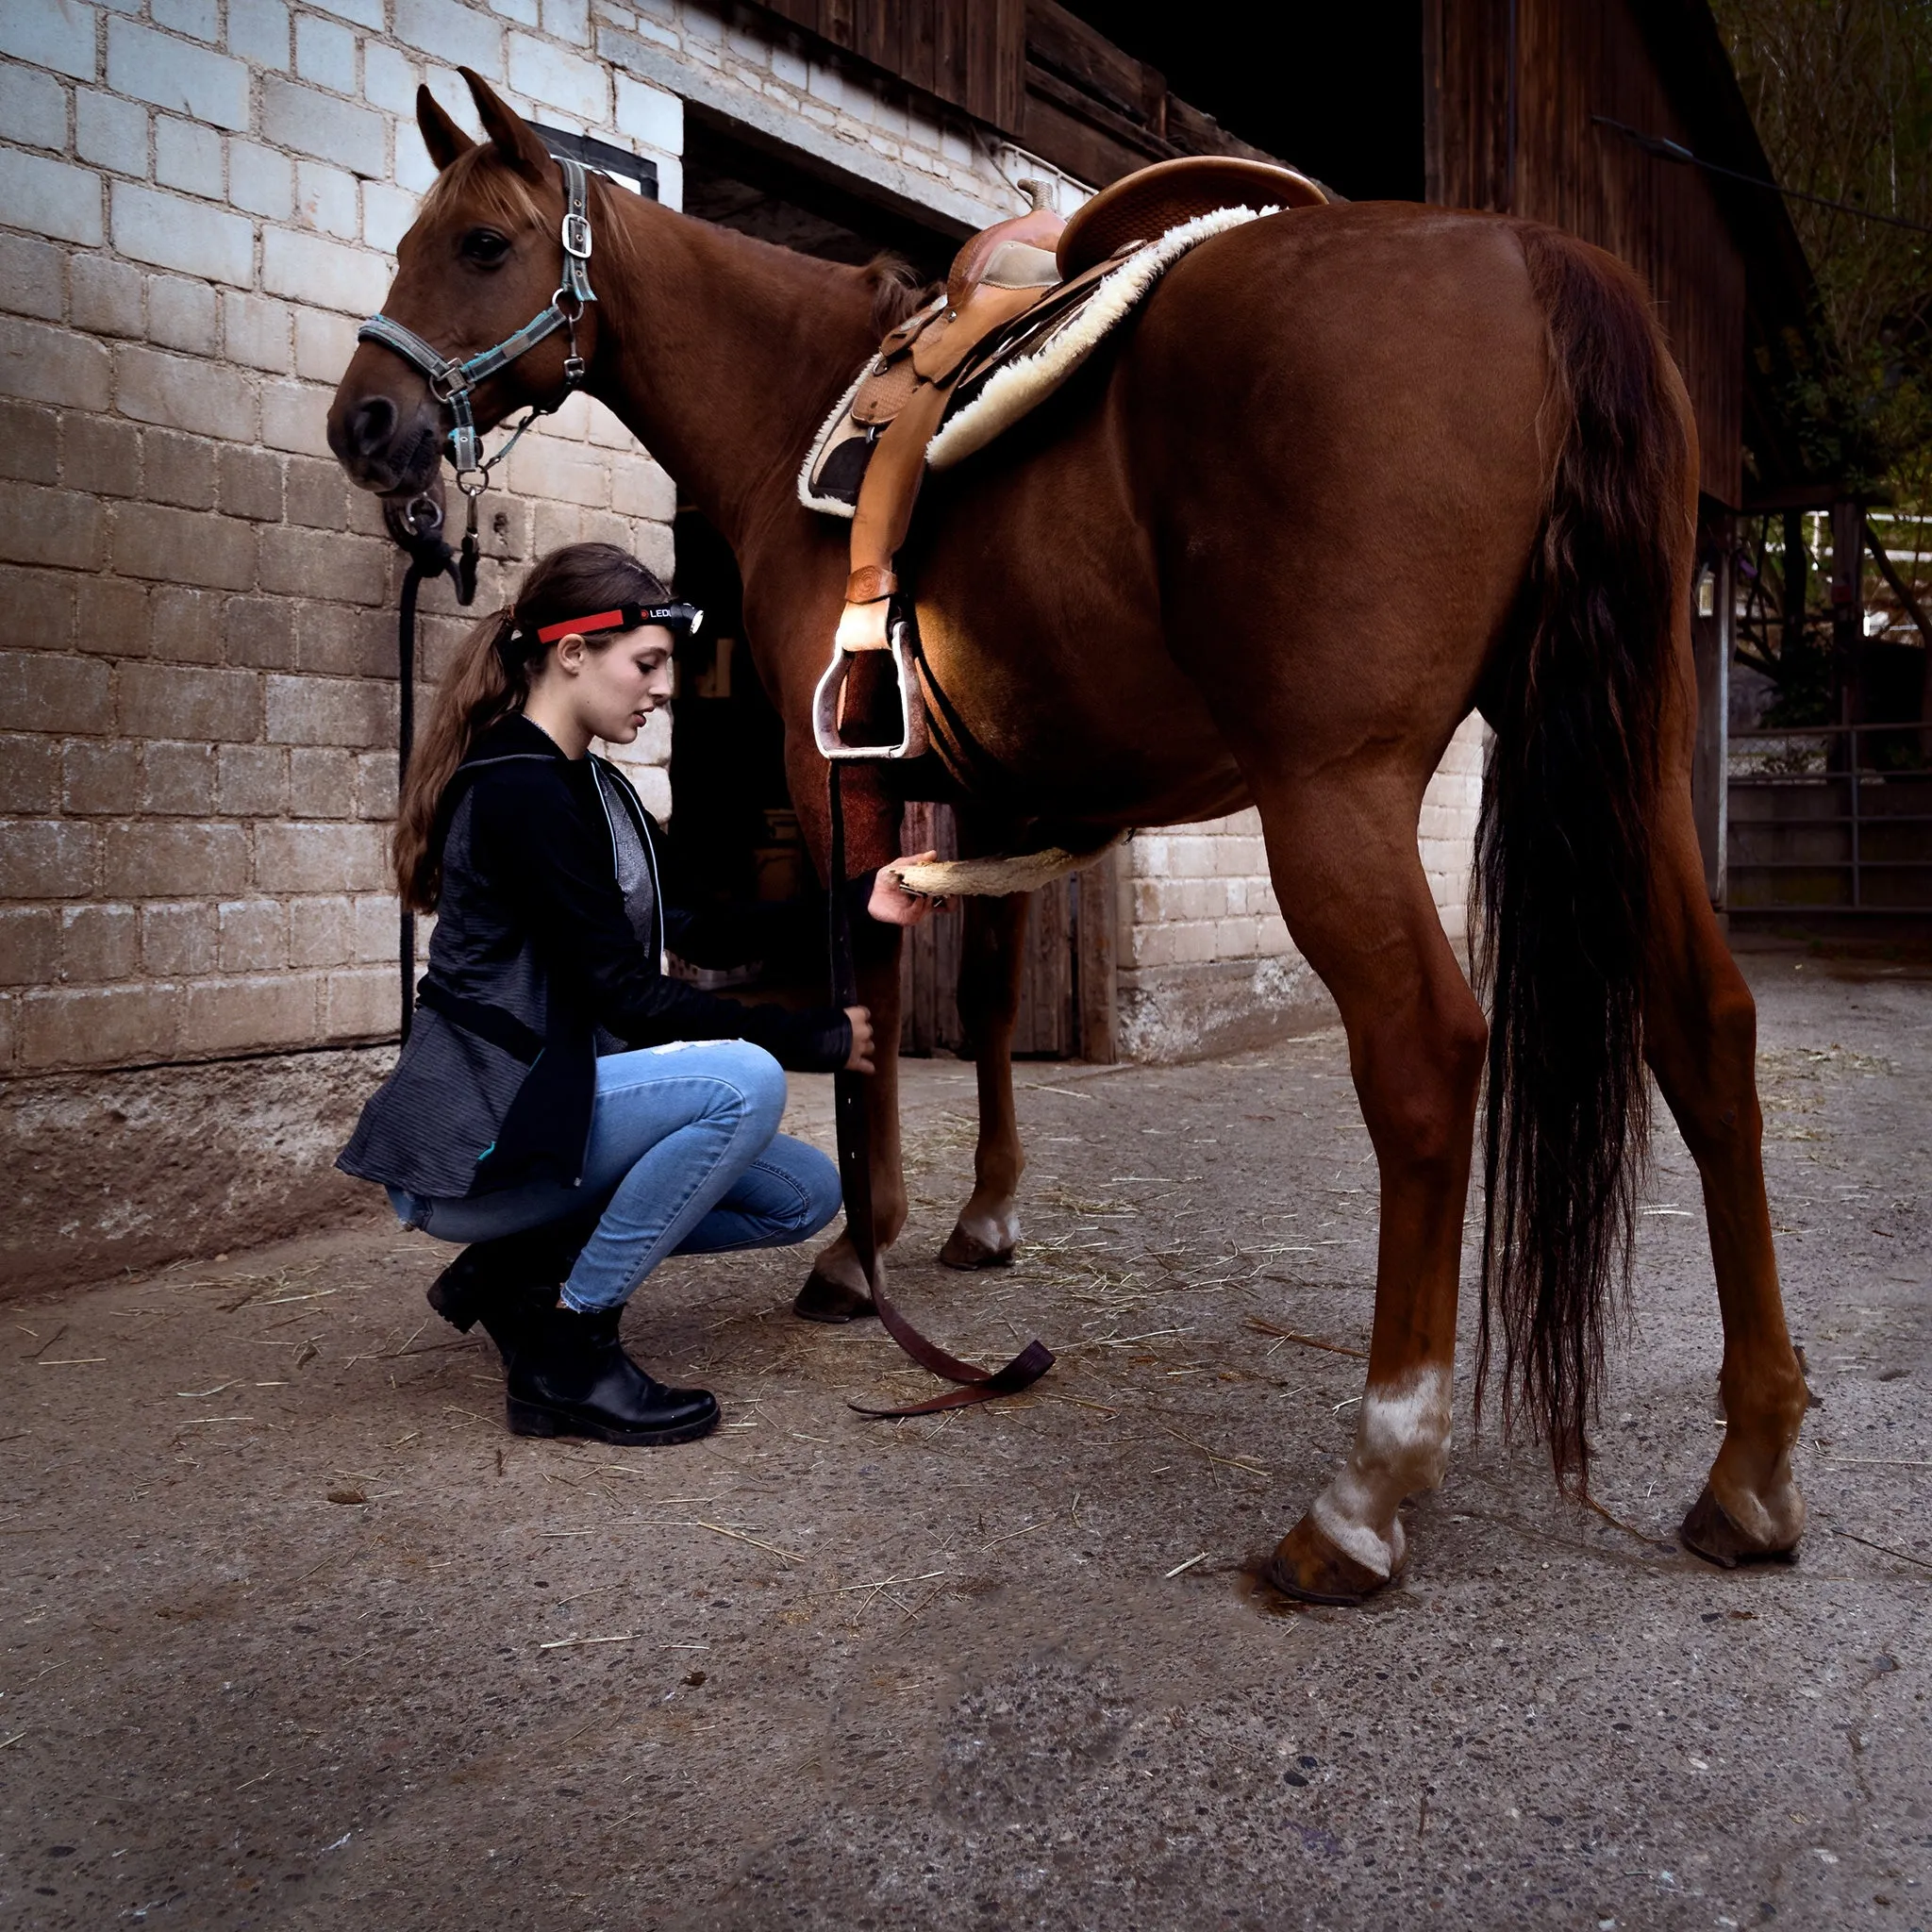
<point x="560" y="1105"/>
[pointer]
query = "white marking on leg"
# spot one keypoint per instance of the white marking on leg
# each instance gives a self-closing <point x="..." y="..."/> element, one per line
<point x="1401" y="1446"/>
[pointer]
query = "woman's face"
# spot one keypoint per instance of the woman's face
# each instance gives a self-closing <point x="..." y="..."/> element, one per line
<point x="616" y="688"/>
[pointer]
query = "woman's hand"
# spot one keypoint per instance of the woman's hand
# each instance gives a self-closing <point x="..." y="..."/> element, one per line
<point x="859" y="1059"/>
<point x="891" y="903"/>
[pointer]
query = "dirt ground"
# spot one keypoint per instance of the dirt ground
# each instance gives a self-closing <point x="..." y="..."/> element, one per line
<point x="296" y="1636"/>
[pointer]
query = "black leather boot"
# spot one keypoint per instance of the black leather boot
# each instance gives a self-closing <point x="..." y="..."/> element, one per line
<point x="504" y="1283"/>
<point x="572" y="1378"/>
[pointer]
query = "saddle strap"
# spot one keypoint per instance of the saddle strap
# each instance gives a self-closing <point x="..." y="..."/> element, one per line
<point x="884" y="515"/>
<point x="855" y="1175"/>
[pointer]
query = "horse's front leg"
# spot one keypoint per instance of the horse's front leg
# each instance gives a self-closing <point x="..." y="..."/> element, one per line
<point x="837" y="1290"/>
<point x="991" y="959"/>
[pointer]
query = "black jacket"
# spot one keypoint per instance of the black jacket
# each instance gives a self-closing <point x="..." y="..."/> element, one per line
<point x="546" y="949"/>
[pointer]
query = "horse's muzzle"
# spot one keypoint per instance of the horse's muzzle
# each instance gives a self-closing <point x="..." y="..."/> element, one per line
<point x="386" y="447"/>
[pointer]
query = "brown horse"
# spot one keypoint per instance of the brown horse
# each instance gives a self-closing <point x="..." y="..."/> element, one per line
<point x="1351" y="472"/>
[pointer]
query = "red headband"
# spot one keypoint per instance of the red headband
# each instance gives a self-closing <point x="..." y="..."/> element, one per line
<point x="605" y="619"/>
<point x="626" y="617"/>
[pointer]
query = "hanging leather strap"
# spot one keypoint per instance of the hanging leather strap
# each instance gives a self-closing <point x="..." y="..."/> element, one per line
<point x="855" y="1176"/>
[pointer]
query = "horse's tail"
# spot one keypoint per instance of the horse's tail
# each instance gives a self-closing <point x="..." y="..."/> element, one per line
<point x="1564" y="848"/>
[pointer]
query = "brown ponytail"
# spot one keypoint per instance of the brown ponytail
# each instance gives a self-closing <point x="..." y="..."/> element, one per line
<point x="491" y="679"/>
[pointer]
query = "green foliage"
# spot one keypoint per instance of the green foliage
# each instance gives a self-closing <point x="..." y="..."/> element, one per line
<point x="1796" y="656"/>
<point x="1842" y="93"/>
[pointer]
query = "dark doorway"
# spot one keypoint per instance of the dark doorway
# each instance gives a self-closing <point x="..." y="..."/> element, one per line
<point x="758" y="191"/>
<point x="735" y="854"/>
<point x="1336" y="90"/>
<point x="749" y="916"/>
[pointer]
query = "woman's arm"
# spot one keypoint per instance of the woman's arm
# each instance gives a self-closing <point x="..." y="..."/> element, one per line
<point x="536" y="844"/>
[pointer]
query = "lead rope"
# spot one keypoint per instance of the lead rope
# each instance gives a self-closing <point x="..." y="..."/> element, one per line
<point x="855" y="1176"/>
<point x="418" y="533"/>
<point x="406" y="744"/>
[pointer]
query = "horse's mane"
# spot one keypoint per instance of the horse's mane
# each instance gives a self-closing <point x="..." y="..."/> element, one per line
<point x="487" y="188"/>
<point x="897" y="291"/>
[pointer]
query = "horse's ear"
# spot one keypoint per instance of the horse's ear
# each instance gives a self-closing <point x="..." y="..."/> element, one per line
<point x="513" y="137"/>
<point x="444" y="139"/>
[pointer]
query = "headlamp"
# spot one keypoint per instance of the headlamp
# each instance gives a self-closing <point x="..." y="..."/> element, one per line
<point x="685" y="617"/>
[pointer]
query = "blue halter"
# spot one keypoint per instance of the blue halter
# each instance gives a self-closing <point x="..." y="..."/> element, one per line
<point x="453" y="380"/>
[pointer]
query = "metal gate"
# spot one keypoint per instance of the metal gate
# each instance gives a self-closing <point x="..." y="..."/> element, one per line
<point x="1830" y="818"/>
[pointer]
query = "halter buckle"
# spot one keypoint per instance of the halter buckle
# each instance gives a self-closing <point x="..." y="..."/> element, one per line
<point x="577" y="235"/>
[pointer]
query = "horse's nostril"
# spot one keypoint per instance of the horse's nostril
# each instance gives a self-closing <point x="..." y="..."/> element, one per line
<point x="371" y="425"/>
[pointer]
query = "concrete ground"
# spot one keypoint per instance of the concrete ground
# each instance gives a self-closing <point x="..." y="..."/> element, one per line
<point x="295" y="1635"/>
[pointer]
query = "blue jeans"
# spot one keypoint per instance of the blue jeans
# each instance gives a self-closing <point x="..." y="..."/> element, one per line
<point x="685" y="1142"/>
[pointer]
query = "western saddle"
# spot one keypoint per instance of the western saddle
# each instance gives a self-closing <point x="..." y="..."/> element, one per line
<point x="1011" y="288"/>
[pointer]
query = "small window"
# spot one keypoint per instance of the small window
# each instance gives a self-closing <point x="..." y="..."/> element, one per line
<point x="627" y="170"/>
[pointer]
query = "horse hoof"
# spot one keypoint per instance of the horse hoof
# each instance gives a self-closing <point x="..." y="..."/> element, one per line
<point x="1311" y="1568"/>
<point x="1711" y="1532"/>
<point x="966" y="1250"/>
<point x="822" y="1299"/>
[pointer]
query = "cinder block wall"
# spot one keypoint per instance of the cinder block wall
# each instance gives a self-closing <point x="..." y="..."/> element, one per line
<point x="198" y="201"/>
<point x="1207" y="964"/>
<point x="197" y="688"/>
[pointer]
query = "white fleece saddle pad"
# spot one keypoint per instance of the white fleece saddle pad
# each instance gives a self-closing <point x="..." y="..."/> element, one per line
<point x="1029" y="364"/>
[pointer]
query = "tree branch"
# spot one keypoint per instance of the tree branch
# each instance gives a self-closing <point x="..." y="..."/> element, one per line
<point x="1888" y="570"/>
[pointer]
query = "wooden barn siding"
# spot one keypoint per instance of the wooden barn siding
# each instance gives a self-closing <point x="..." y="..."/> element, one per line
<point x="971" y="52"/>
<point x="1576" y="59"/>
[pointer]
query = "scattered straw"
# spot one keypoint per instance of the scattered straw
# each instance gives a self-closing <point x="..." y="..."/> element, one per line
<point x="738" y="1536"/>
<point x="885" y="1583"/>
<point x="1885" y="1549"/>
<point x="1010" y="1534"/>
<point x="1261" y="1327"/>
<point x="576" y="1642"/>
<point x="1245" y="1464"/>
<point x="1187" y="1565"/>
<point x="1871" y="1461"/>
<point x="1618" y="1523"/>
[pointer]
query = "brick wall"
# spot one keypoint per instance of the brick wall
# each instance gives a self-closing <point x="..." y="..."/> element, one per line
<point x="197" y="691"/>
<point x="198" y="201"/>
<point x="1206" y="957"/>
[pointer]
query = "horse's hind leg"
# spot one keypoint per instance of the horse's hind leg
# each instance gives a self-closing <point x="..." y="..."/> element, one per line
<point x="1353" y="891"/>
<point x="1700" y="1026"/>
<point x="989" y="965"/>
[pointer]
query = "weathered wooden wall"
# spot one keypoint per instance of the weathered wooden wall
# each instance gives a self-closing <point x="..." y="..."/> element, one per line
<point x="1515" y="87"/>
<point x="1028" y="67"/>
<point x="970" y="53"/>
<point x="1066" y="980"/>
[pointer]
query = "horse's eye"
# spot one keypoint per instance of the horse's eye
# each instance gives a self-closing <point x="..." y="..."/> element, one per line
<point x="485" y="247"/>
